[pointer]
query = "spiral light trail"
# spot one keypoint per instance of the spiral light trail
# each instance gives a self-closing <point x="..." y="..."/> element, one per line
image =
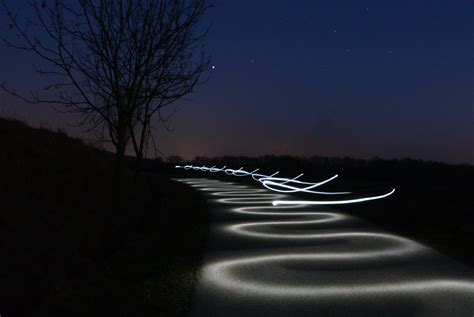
<point x="299" y="259"/>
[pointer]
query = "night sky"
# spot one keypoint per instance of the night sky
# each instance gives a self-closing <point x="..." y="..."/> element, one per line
<point x="391" y="79"/>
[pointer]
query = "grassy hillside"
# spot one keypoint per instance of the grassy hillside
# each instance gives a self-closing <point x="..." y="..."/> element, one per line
<point x="65" y="252"/>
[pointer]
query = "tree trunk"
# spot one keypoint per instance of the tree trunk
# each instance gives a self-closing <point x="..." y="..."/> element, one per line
<point x="138" y="161"/>
<point x="118" y="173"/>
<point x="116" y="218"/>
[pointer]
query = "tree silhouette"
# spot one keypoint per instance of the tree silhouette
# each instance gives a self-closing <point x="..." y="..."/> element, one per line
<point x="117" y="63"/>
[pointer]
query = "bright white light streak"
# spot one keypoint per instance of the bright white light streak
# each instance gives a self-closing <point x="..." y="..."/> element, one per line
<point x="287" y="185"/>
<point x="221" y="274"/>
<point x="229" y="171"/>
<point x="282" y="275"/>
<point x="215" y="169"/>
<point x="331" y="202"/>
<point x="269" y="179"/>
<point x="257" y="176"/>
<point x="273" y="183"/>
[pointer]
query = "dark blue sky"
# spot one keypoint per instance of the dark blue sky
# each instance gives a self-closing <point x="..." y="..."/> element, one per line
<point x="336" y="78"/>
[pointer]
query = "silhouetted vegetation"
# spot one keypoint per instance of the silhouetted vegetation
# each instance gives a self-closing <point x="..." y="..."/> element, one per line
<point x="175" y="159"/>
<point x="65" y="252"/>
<point x="116" y="64"/>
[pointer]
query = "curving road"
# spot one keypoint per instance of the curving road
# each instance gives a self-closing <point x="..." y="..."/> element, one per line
<point x="295" y="260"/>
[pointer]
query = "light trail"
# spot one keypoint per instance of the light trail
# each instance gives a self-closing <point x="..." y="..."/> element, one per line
<point x="328" y="202"/>
<point x="289" y="185"/>
<point x="273" y="183"/>
<point x="299" y="255"/>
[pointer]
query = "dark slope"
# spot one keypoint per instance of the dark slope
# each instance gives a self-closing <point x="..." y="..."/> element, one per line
<point x="65" y="252"/>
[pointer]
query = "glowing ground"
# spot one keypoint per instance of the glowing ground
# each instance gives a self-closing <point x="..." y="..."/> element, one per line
<point x="296" y="260"/>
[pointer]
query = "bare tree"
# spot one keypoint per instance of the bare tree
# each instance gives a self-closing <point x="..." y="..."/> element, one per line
<point x="117" y="63"/>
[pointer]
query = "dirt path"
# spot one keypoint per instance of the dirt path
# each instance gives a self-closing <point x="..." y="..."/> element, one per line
<point x="300" y="261"/>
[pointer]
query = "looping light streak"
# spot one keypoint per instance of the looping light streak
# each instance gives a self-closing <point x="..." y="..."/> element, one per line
<point x="377" y="259"/>
<point x="221" y="273"/>
<point x="273" y="183"/>
<point x="335" y="202"/>
<point x="289" y="185"/>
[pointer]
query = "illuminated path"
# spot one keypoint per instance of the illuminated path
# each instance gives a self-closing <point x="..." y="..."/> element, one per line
<point x="295" y="260"/>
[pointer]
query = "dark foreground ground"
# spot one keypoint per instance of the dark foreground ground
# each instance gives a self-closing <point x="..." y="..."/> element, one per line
<point x="66" y="252"/>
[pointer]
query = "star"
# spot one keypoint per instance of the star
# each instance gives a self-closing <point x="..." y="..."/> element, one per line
<point x="213" y="67"/>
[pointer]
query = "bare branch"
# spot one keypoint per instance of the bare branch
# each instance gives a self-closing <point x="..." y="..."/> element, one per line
<point x="116" y="63"/>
